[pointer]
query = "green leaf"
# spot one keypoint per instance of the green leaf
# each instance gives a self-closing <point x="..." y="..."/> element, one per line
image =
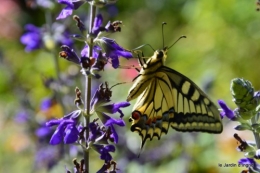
<point x="242" y="127"/>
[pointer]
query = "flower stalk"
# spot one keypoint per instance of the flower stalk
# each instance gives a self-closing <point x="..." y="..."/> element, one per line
<point x="256" y="135"/>
<point x="88" y="87"/>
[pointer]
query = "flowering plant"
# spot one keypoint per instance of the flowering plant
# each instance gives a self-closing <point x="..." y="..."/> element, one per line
<point x="76" y="127"/>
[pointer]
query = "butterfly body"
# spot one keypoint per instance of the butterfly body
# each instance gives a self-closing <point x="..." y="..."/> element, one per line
<point x="167" y="98"/>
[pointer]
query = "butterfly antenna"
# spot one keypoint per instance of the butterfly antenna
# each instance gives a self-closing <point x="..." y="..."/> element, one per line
<point x="117" y="84"/>
<point x="164" y="23"/>
<point x="177" y="41"/>
<point x="139" y="47"/>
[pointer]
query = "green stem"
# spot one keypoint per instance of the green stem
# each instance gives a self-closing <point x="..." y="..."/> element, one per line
<point x="256" y="135"/>
<point x="48" y="18"/>
<point x="88" y="87"/>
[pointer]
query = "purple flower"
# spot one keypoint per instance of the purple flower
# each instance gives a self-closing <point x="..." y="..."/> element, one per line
<point x="32" y="39"/>
<point x="43" y="131"/>
<point x="67" y="128"/>
<point x="70" y="6"/>
<point x="99" y="30"/>
<point x="97" y="24"/>
<point x="22" y="117"/>
<point x="36" y="38"/>
<point x="45" y="4"/>
<point x="108" y="167"/>
<point x="69" y="54"/>
<point x="46" y="104"/>
<point x="108" y="47"/>
<point x="65" y="39"/>
<point x="112" y="50"/>
<point x="226" y="111"/>
<point x="95" y="131"/>
<point x="99" y="106"/>
<point x="47" y="156"/>
<point x="248" y="161"/>
<point x="251" y="164"/>
<point x="96" y="50"/>
<point x="104" y="150"/>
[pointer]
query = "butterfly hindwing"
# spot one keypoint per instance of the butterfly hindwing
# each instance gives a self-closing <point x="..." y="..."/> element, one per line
<point x="193" y="110"/>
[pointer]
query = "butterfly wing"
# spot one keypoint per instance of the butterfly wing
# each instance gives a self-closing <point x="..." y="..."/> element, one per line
<point x="171" y="99"/>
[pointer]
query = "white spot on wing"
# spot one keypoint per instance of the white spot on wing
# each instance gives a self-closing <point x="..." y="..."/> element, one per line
<point x="206" y="101"/>
<point x="195" y="95"/>
<point x="185" y="87"/>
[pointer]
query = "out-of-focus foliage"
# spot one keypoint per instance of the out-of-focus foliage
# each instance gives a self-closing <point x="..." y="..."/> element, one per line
<point x="223" y="42"/>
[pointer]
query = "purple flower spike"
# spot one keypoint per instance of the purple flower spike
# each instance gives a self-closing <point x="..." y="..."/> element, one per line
<point x="32" y="39"/>
<point x="226" y="110"/>
<point x="70" y="6"/>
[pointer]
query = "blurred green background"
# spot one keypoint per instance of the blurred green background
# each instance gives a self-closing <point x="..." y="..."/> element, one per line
<point x="222" y="43"/>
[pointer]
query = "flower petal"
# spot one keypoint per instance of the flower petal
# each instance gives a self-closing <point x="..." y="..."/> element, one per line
<point x="114" y="134"/>
<point x="56" y="137"/>
<point x="71" y="55"/>
<point x="115" y="62"/>
<point x="226" y="110"/>
<point x="96" y="50"/>
<point x="97" y="24"/>
<point x="65" y="13"/>
<point x="71" y="134"/>
<point x="107" y="120"/>
<point x="113" y="108"/>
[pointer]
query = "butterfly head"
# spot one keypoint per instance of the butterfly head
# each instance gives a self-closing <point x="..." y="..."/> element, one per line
<point x="159" y="56"/>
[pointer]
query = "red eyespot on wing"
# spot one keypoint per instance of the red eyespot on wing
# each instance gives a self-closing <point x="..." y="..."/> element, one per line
<point x="135" y="115"/>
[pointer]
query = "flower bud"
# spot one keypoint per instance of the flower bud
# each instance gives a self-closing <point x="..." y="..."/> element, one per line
<point x="243" y="94"/>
